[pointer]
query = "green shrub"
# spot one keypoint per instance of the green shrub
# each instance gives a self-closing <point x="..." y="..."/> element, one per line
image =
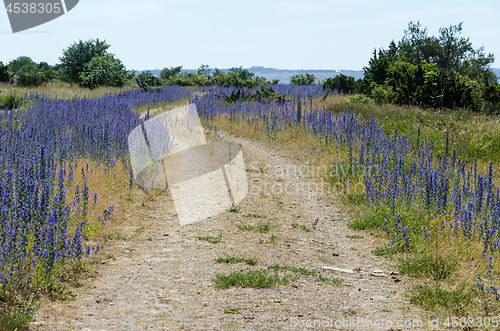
<point x="4" y="73"/>
<point x="382" y="94"/>
<point x="10" y="101"/>
<point x="341" y="83"/>
<point x="30" y="79"/>
<point x="78" y="55"/>
<point x="105" y="70"/>
<point x="360" y="98"/>
<point x="169" y="73"/>
<point x="148" y="82"/>
<point x="302" y="79"/>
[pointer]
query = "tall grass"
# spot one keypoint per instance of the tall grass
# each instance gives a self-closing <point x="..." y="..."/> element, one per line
<point x="481" y="132"/>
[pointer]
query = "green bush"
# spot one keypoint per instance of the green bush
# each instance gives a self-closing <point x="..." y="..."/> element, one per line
<point x="4" y="73"/>
<point x="30" y="79"/>
<point x="360" y="98"/>
<point x="10" y="101"/>
<point x="428" y="86"/>
<point x="341" y="83"/>
<point x="432" y="72"/>
<point x="78" y="55"/>
<point x="148" y="82"/>
<point x="22" y="62"/>
<point x="302" y="79"/>
<point x="237" y="77"/>
<point x="382" y="94"/>
<point x="169" y="73"/>
<point x="189" y="79"/>
<point x="105" y="70"/>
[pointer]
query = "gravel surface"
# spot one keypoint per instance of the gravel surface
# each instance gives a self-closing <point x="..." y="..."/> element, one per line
<point x="162" y="279"/>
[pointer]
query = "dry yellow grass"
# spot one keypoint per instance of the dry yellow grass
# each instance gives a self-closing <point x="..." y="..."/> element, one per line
<point x="61" y="90"/>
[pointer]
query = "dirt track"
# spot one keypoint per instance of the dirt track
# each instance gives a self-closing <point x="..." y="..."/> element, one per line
<point x="161" y="279"/>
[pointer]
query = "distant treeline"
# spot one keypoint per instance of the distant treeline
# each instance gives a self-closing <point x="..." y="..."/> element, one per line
<point x="442" y="71"/>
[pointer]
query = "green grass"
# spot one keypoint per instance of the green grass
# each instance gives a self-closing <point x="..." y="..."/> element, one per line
<point x="254" y="216"/>
<point x="271" y="240"/>
<point x="261" y="227"/>
<point x="355" y="198"/>
<point x="231" y="259"/>
<point x="301" y="226"/>
<point x="373" y="218"/>
<point x="212" y="240"/>
<point x="434" y="296"/>
<point x="482" y="132"/>
<point x="234" y="209"/>
<point x="329" y="281"/>
<point x="17" y="317"/>
<point x="383" y="251"/>
<point x="255" y="279"/>
<point x="18" y="305"/>
<point x="435" y="267"/>
<point x="298" y="270"/>
<point x="232" y="310"/>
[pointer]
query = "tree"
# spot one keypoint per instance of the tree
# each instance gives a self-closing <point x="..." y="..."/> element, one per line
<point x="148" y="82"/>
<point x="204" y="70"/>
<point x="4" y="73"/>
<point x="376" y="71"/>
<point x="30" y="79"/>
<point x="492" y="93"/>
<point x="169" y="73"/>
<point x="105" y="70"/>
<point x="302" y="79"/>
<point x="77" y="55"/>
<point x="23" y="62"/>
<point x="341" y="83"/>
<point x="237" y="77"/>
<point x="450" y="51"/>
<point x="416" y="46"/>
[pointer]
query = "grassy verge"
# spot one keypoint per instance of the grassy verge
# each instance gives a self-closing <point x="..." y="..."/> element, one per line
<point x="61" y="90"/>
<point x="481" y="132"/>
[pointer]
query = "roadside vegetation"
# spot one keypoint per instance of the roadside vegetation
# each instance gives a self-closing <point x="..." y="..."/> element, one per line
<point x="412" y="150"/>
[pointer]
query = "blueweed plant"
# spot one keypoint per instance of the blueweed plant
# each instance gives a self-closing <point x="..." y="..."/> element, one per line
<point x="405" y="179"/>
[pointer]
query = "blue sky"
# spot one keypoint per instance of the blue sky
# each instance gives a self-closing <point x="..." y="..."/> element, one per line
<point x="313" y="34"/>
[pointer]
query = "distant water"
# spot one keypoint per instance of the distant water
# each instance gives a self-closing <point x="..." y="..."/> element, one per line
<point x="284" y="75"/>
